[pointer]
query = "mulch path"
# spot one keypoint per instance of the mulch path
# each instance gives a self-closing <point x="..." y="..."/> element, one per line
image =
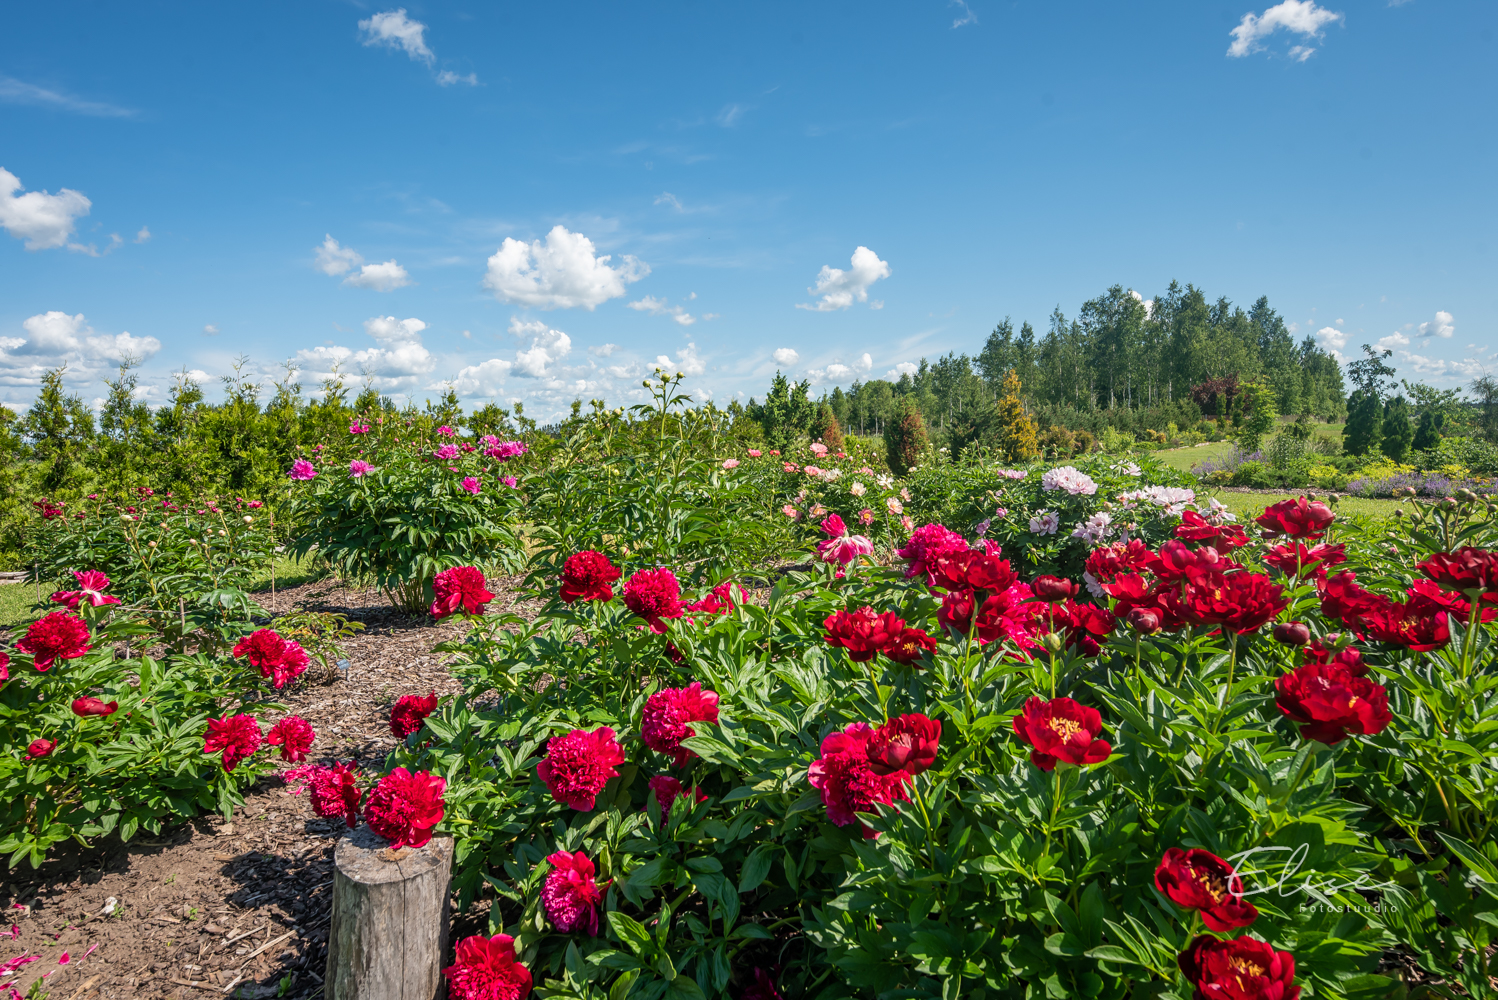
<point x="230" y="909"/>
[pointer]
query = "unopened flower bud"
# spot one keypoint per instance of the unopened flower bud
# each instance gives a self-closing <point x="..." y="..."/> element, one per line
<point x="150" y="545"/>
<point x="1145" y="620"/>
<point x="222" y="532"/>
<point x="1292" y="633"/>
<point x="1053" y="643"/>
<point x="248" y="519"/>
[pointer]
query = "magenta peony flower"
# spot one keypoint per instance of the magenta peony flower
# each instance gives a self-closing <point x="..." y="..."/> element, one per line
<point x="579" y="764"/>
<point x="570" y="896"/>
<point x="302" y="469"/>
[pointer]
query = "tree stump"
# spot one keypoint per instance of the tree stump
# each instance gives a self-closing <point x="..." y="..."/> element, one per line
<point x="388" y="937"/>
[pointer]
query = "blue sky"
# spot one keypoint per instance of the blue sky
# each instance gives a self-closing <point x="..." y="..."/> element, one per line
<point x="427" y="194"/>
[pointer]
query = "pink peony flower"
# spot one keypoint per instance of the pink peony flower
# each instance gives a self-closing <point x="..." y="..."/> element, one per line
<point x="471" y="484"/>
<point x="509" y="481"/>
<point x="579" y="764"/>
<point x="236" y="737"/>
<point x="487" y="969"/>
<point x="358" y="428"/>
<point x="664" y="720"/>
<point x="91" y="587"/>
<point x="302" y="469"/>
<point x="359" y="469"/>
<point x="447" y="452"/>
<point x="53" y="637"/>
<point x="730" y="463"/>
<point x="459" y="587"/>
<point x="446" y="431"/>
<point x="570" y="896"/>
<point x="754" y="453"/>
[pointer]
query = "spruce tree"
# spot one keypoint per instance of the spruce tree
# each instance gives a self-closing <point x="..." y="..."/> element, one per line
<point x="1428" y="434"/>
<point x="1398" y="432"/>
<point x="904" y="436"/>
<point x="1365" y="417"/>
<point x="1016" y="432"/>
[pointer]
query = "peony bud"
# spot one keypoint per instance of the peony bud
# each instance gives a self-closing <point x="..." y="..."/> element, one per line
<point x="150" y="545"/>
<point x="222" y="532"/>
<point x="1145" y="620"/>
<point x="248" y="519"/>
<point x="1053" y="588"/>
<point x="1292" y="633"/>
<point x="1053" y="643"/>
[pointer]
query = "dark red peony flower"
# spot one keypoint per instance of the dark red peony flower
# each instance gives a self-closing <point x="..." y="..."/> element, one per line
<point x="409" y="712"/>
<point x="1007" y="615"/>
<point x="863" y="633"/>
<point x="763" y="987"/>
<point x="720" y="600"/>
<point x="37" y="749"/>
<point x="588" y="576"/>
<point x="928" y="543"/>
<point x="58" y="636"/>
<point x="1419" y="623"/>
<point x="579" y="764"/>
<point x="1131" y="592"/>
<point x="1144" y="620"/>
<point x="459" y="587"/>
<point x="1200" y="880"/>
<point x="279" y="660"/>
<point x="654" y="595"/>
<point x="847" y="779"/>
<point x="667" y="790"/>
<point x="1107" y="563"/>
<point x="1242" y="968"/>
<point x="1239" y="600"/>
<point x="486" y="969"/>
<point x="1451" y="602"/>
<point x="1468" y="570"/>
<point x="969" y="569"/>
<point x="91" y="587"/>
<point x="1195" y="528"/>
<point x="1053" y="588"/>
<point x="1344" y="600"/>
<point x="334" y="791"/>
<point x="1295" y="559"/>
<point x="88" y="705"/>
<point x="294" y="736"/>
<point x="664" y="720"/>
<point x="1292" y="633"/>
<point x="1082" y="625"/>
<point x="1347" y="656"/>
<point x="570" y="896"/>
<point x="403" y="807"/>
<point x="1296" y="518"/>
<point x="1330" y="702"/>
<point x="236" y="737"/>
<point x="1061" y="729"/>
<point x="908" y="743"/>
<point x="1179" y="564"/>
<point x="907" y="645"/>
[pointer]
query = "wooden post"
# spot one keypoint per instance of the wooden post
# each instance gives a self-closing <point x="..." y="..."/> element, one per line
<point x="388" y="938"/>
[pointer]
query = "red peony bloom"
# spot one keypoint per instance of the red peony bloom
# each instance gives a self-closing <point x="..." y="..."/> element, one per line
<point x="1200" y="880"/>
<point x="409" y="712"/>
<point x="294" y="736"/>
<point x="1242" y="968"/>
<point x="863" y="633"/>
<point x="1330" y="701"/>
<point x="403" y="807"/>
<point x="1296" y="518"/>
<point x="1180" y="564"/>
<point x="569" y="895"/>
<point x="1132" y="593"/>
<point x="459" y="587"/>
<point x="928" y="543"/>
<point x="667" y="790"/>
<point x="1082" y="625"/>
<point x="763" y="987"/>
<point x="579" y="764"/>
<point x="1467" y="570"/>
<point x="847" y="780"/>
<point x="37" y="749"/>
<point x="334" y="792"/>
<point x="1344" y="600"/>
<point x="58" y="636"/>
<point x="1240" y="600"/>
<point x="1109" y="562"/>
<point x="1195" y="528"/>
<point x="663" y="723"/>
<point x="720" y="600"/>
<point x="654" y="595"/>
<point x="1002" y="616"/>
<point x="907" y="645"/>
<point x="486" y="969"/>
<point x="1450" y="602"/>
<point x="973" y="570"/>
<point x="4" y="667"/>
<point x="1294" y="559"/>
<point x="907" y="744"/>
<point x="91" y="587"/>
<point x="1348" y="656"/>
<point x="89" y="705"/>
<point x="236" y="737"/>
<point x="1419" y="623"/>
<point x="279" y="660"/>
<point x="1061" y="729"/>
<point x="1053" y="588"/>
<point x="587" y="576"/>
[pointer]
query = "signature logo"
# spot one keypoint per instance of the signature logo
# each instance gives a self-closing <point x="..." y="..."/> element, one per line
<point x="1289" y="883"/>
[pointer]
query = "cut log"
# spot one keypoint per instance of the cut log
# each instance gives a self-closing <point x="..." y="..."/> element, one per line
<point x="388" y="938"/>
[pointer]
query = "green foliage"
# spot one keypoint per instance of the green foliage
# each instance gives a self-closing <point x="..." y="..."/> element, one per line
<point x="1397" y="434"/>
<point x="1365" y="417"/>
<point x="905" y="438"/>
<point x="786" y="413"/>
<point x="1260" y="408"/>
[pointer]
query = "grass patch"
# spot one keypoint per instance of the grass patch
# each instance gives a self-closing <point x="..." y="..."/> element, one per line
<point x="1250" y="505"/>
<point x="290" y="572"/>
<point x="1183" y="459"/>
<point x="18" y="601"/>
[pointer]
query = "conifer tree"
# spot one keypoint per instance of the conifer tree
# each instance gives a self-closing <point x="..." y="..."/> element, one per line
<point x="1398" y="432"/>
<point x="1016" y="437"/>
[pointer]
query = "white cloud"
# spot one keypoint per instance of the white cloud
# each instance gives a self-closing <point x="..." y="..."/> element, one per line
<point x="379" y="277"/>
<point x="393" y="29"/>
<point x="786" y="356"/>
<point x="13" y="91"/>
<point x="839" y="289"/>
<point x="43" y="220"/>
<point x="603" y="350"/>
<point x="55" y="338"/>
<point x="687" y="362"/>
<point x="903" y="368"/>
<point x="483" y="379"/>
<point x="1149" y="304"/>
<point x="1331" y="338"/>
<point x="657" y="307"/>
<point x="863" y="364"/>
<point x="447" y="78"/>
<point x="547" y="347"/>
<point x="968" y="17"/>
<point x="396" y="363"/>
<point x="729" y="116"/>
<point x="839" y="372"/>
<point x="667" y="198"/>
<point x="1442" y="326"/>
<point x="1395" y="339"/>
<point x="334" y="260"/>
<point x="211" y="330"/>
<point x="562" y="273"/>
<point x="143" y="235"/>
<point x="1300" y="17"/>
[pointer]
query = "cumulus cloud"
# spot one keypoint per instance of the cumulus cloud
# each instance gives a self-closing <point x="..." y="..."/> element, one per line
<point x="687" y="362"/>
<point x="1331" y="338"/>
<point x="393" y="29"/>
<point x="839" y="372"/>
<point x="786" y="356"/>
<point x="379" y="277"/>
<point x="1298" y="17"/>
<point x="211" y="330"/>
<point x="55" y="338"/>
<point x="548" y="346"/>
<point x="603" y="350"/>
<point x="839" y="289"/>
<point x="657" y="307"/>
<point x="44" y="221"/>
<point x="562" y="273"/>
<point x="397" y="363"/>
<point x="1442" y="326"/>
<point x="903" y="368"/>
<point x="334" y="260"/>
<point x="1395" y="339"/>
<point x="483" y="379"/>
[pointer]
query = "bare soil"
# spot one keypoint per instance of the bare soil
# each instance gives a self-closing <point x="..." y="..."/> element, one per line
<point x="235" y="909"/>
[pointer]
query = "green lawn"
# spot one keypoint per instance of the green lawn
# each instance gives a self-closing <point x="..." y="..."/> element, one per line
<point x="1184" y="458"/>
<point x="17" y="601"/>
<point x="1248" y="505"/>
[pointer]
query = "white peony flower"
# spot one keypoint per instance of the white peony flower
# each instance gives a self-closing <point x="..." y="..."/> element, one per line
<point x="1044" y="523"/>
<point x="1069" y="479"/>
